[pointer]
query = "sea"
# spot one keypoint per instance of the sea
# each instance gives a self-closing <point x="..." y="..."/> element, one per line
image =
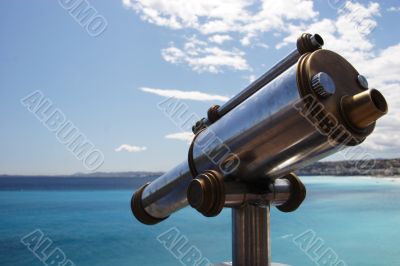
<point x="81" y="221"/>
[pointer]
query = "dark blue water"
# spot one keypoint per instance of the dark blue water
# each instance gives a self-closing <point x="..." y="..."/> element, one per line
<point x="358" y="218"/>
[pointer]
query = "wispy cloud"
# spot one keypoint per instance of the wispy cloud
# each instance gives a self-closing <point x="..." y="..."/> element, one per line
<point x="183" y="136"/>
<point x="204" y="57"/>
<point x="251" y="78"/>
<point x="213" y="22"/>
<point x="130" y="148"/>
<point x="394" y="9"/>
<point x="247" y="18"/>
<point x="220" y="38"/>
<point x="186" y="95"/>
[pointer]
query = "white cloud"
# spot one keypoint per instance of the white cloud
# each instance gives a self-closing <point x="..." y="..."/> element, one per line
<point x="394" y="9"/>
<point x="214" y="21"/>
<point x="220" y="39"/>
<point x="262" y="45"/>
<point x="183" y="136"/>
<point x="251" y="78"/>
<point x="186" y="95"/>
<point x="202" y="57"/>
<point x="247" y="17"/>
<point x="188" y="13"/>
<point x="130" y="148"/>
<point x="348" y="34"/>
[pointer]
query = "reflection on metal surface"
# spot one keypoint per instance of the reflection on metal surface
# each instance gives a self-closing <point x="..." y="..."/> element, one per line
<point x="167" y="194"/>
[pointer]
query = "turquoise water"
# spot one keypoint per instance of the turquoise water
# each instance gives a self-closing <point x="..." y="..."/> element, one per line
<point x="358" y="218"/>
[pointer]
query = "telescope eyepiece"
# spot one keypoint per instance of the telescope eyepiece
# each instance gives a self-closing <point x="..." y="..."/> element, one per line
<point x="364" y="108"/>
<point x="317" y="40"/>
<point x="308" y="43"/>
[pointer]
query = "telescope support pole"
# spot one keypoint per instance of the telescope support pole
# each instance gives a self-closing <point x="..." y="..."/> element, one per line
<point x="251" y="243"/>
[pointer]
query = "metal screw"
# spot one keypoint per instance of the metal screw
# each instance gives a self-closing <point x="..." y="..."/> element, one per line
<point x="363" y="81"/>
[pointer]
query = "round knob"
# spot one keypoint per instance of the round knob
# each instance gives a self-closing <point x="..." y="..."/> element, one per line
<point x="197" y="193"/>
<point x="297" y="194"/>
<point x="323" y="85"/>
<point x="206" y="193"/>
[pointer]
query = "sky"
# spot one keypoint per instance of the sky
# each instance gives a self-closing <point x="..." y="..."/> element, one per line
<point x="106" y="66"/>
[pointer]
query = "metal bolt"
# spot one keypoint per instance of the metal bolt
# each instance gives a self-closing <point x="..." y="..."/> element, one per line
<point x="363" y="81"/>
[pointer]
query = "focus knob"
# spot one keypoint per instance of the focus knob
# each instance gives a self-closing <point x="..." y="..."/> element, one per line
<point x="323" y="85"/>
<point x="206" y="193"/>
<point x="297" y="194"/>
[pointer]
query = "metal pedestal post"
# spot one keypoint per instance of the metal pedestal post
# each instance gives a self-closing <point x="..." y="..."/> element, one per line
<point x="251" y="236"/>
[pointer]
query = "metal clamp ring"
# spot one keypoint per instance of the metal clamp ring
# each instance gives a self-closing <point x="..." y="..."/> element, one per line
<point x="192" y="165"/>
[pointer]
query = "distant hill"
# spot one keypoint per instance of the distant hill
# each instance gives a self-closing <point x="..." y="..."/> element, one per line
<point x="131" y="174"/>
<point x="378" y="167"/>
<point x="96" y="181"/>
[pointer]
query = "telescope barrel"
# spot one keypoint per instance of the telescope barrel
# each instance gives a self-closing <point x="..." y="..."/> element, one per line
<point x="302" y="115"/>
<point x="305" y="44"/>
<point x="267" y="77"/>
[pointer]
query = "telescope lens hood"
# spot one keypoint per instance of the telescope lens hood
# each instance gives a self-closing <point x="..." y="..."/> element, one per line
<point x="139" y="211"/>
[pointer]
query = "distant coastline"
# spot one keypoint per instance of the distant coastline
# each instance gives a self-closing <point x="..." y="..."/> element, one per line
<point x="385" y="168"/>
<point x="130" y="174"/>
<point x="375" y="168"/>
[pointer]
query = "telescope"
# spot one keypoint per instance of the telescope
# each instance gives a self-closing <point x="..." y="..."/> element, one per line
<point x="311" y="104"/>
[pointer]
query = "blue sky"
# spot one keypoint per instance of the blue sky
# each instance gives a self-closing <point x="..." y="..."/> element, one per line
<point x="202" y="52"/>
